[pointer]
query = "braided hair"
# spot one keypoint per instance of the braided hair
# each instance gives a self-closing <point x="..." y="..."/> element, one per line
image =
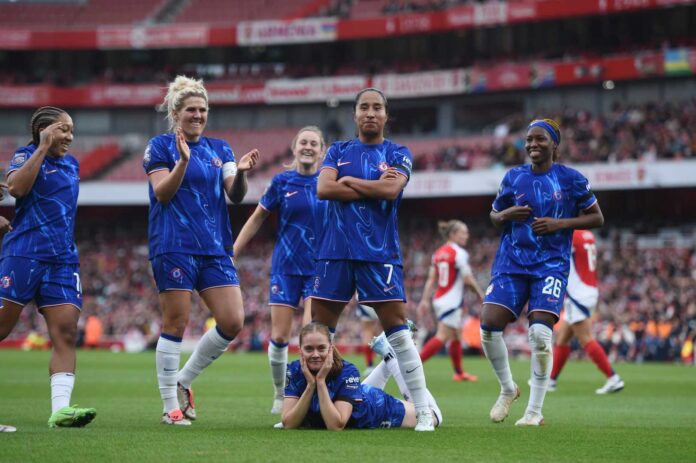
<point x="42" y="118"/>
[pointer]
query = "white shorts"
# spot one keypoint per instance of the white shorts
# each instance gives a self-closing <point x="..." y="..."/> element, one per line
<point x="575" y="311"/>
<point x="447" y="315"/>
<point x="366" y="313"/>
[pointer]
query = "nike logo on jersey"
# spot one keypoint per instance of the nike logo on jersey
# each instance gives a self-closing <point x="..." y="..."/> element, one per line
<point x="51" y="171"/>
<point x="290" y="193"/>
<point x="520" y="196"/>
<point x="389" y="288"/>
<point x="340" y="163"/>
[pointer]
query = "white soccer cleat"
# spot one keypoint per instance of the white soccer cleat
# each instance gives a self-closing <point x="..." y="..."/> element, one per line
<point x="530" y="419"/>
<point x="613" y="384"/>
<point x="278" y="426"/>
<point x="186" y="404"/>
<point x="380" y="345"/>
<point x="175" y="417"/>
<point x="501" y="408"/>
<point x="277" y="408"/>
<point x="424" y="421"/>
<point x="7" y="428"/>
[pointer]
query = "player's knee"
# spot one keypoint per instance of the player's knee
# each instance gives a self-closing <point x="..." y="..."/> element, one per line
<point x="230" y="328"/>
<point x="540" y="337"/>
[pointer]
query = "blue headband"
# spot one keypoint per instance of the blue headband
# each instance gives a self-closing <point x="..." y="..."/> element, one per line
<point x="548" y="127"/>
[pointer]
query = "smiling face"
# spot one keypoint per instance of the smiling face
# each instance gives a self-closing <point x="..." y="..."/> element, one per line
<point x="307" y="149"/>
<point x="540" y="148"/>
<point x="192" y="117"/>
<point x="63" y="136"/>
<point x="315" y="347"/>
<point x="370" y="117"/>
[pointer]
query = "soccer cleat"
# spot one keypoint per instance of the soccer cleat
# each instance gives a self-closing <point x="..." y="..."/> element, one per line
<point x="501" y="408"/>
<point x="464" y="377"/>
<point x="72" y="417"/>
<point x="277" y="408"/>
<point x="278" y="426"/>
<point x="7" y="428"/>
<point x="380" y="345"/>
<point x="175" y="417"/>
<point x="424" y="421"/>
<point x="613" y="384"/>
<point x="186" y="404"/>
<point x="551" y="387"/>
<point x="530" y="419"/>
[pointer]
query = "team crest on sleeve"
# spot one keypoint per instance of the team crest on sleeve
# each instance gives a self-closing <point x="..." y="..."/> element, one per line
<point x="146" y="156"/>
<point x="6" y="281"/>
<point x="489" y="290"/>
<point x="18" y="159"/>
<point x="275" y="289"/>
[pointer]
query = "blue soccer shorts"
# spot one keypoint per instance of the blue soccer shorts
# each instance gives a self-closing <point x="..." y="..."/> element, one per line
<point x="175" y="271"/>
<point x="338" y="280"/>
<point x="47" y="283"/>
<point x="289" y="289"/>
<point x="513" y="292"/>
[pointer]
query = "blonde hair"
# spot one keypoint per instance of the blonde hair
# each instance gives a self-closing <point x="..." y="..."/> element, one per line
<point x="316" y="327"/>
<point x="181" y="88"/>
<point x="306" y="128"/>
<point x="446" y="228"/>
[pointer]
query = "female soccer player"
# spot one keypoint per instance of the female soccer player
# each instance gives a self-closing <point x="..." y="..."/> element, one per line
<point x="447" y="276"/>
<point x="363" y="180"/>
<point x="537" y="208"/>
<point x="324" y="391"/>
<point x="39" y="256"/>
<point x="294" y="194"/>
<point x="191" y="239"/>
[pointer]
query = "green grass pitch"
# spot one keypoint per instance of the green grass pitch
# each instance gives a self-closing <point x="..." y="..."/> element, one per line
<point x="653" y="419"/>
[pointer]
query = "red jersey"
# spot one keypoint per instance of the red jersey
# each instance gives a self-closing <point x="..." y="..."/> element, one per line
<point x="585" y="257"/>
<point x="451" y="262"/>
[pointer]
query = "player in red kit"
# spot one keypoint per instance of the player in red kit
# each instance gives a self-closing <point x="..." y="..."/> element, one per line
<point x="449" y="273"/>
<point x="581" y="300"/>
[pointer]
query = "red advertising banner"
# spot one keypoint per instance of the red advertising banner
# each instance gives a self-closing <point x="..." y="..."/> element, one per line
<point x="313" y="30"/>
<point x="502" y="77"/>
<point x="181" y="35"/>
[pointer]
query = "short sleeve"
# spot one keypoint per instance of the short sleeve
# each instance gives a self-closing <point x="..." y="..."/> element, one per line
<point x="505" y="194"/>
<point x="271" y="197"/>
<point x="463" y="263"/>
<point x="331" y="158"/>
<point x="402" y="160"/>
<point x="582" y="191"/>
<point x="19" y="158"/>
<point x="227" y="154"/>
<point x="349" y="385"/>
<point x="294" y="384"/>
<point x="156" y="157"/>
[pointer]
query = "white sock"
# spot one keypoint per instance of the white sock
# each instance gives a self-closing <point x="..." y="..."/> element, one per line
<point x="496" y="352"/>
<point x="211" y="346"/>
<point x="379" y="376"/>
<point x="542" y="360"/>
<point x="61" y="390"/>
<point x="278" y="359"/>
<point x="410" y="366"/>
<point x="167" y="356"/>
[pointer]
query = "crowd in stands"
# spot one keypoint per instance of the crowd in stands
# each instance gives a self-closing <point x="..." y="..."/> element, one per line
<point x="647" y="307"/>
<point x="625" y="133"/>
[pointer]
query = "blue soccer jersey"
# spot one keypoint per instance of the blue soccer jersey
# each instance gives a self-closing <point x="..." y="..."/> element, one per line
<point x="560" y="192"/>
<point x="44" y="223"/>
<point x="365" y="229"/>
<point x="295" y="197"/>
<point x="372" y="407"/>
<point x="196" y="220"/>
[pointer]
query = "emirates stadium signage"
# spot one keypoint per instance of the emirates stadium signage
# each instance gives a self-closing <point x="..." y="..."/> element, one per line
<point x="285" y="32"/>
